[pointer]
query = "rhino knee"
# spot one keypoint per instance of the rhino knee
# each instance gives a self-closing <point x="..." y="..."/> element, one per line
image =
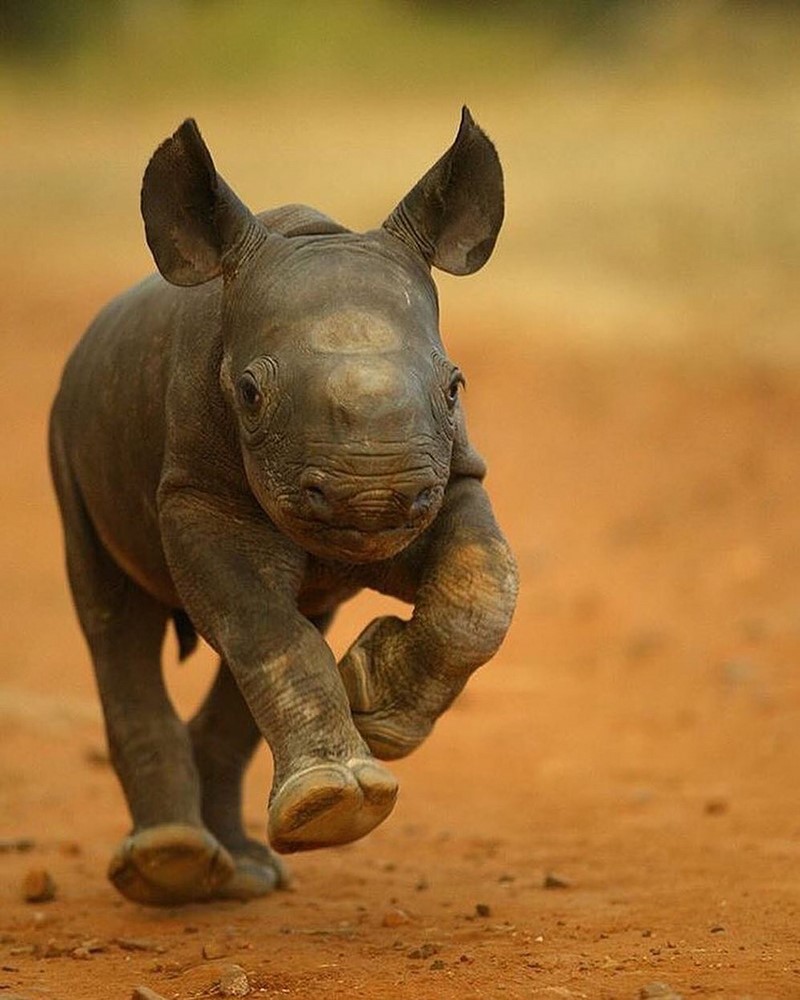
<point x="477" y="600"/>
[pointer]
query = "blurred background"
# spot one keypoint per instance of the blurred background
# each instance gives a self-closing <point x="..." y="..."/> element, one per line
<point x="652" y="149"/>
<point x="632" y="353"/>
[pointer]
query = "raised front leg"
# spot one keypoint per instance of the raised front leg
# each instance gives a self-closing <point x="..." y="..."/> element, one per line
<point x="400" y="676"/>
<point x="239" y="579"/>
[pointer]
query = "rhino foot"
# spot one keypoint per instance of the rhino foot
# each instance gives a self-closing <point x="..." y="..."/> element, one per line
<point x="391" y="735"/>
<point x="257" y="872"/>
<point x="389" y="709"/>
<point x="330" y="803"/>
<point x="170" y="864"/>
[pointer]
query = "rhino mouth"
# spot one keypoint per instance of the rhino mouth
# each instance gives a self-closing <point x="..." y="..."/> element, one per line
<point x="360" y="544"/>
<point x="358" y="532"/>
<point x="348" y="543"/>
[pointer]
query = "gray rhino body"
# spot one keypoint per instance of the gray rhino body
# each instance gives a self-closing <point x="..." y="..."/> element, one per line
<point x="240" y="448"/>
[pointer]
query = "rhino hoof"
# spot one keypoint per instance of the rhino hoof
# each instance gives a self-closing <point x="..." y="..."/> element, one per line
<point x="389" y="730"/>
<point x="390" y="737"/>
<point x="258" y="872"/>
<point x="330" y="804"/>
<point x="170" y="864"/>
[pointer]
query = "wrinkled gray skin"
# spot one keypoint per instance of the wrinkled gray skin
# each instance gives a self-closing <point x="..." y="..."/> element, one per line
<point x="245" y="445"/>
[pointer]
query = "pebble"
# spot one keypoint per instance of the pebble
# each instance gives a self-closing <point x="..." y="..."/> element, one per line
<point x="94" y="945"/>
<point x="658" y="991"/>
<point x="138" y="944"/>
<point x="144" y="993"/>
<point x="426" y="950"/>
<point x="483" y="910"/>
<point x="395" y="918"/>
<point x="554" y="881"/>
<point x="38" y="886"/>
<point x="234" y="982"/>
<point x="214" y="949"/>
<point x="19" y="844"/>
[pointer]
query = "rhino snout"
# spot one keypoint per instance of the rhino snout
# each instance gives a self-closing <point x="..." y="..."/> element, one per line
<point x="332" y="502"/>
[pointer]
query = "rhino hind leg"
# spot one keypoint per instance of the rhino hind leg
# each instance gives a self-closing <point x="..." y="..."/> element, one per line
<point x="169" y="864"/>
<point x="169" y="856"/>
<point x="224" y="736"/>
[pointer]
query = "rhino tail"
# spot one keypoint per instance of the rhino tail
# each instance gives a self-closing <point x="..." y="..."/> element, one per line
<point x="185" y="633"/>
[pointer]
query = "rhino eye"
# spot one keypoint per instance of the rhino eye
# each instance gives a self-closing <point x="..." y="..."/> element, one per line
<point x="248" y="391"/>
<point x="456" y="381"/>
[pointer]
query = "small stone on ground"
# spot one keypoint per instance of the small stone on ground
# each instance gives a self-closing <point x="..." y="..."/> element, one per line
<point x="234" y="982"/>
<point x="658" y="991"/>
<point x="38" y="886"/>
<point x="18" y="844"/>
<point x="144" y="993"/>
<point x="214" y="949"/>
<point x="395" y="917"/>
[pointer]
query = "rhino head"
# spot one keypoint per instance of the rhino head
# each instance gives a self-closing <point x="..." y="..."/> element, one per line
<point x="333" y="365"/>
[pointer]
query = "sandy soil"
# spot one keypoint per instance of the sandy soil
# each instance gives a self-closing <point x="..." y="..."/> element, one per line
<point x="637" y="739"/>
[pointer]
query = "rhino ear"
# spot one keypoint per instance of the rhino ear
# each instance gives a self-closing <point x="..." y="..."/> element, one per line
<point x="195" y="225"/>
<point x="453" y="215"/>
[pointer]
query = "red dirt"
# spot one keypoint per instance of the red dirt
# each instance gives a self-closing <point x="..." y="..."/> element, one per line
<point x="638" y="735"/>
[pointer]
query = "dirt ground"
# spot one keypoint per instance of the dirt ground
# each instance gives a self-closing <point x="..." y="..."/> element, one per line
<point x="613" y="802"/>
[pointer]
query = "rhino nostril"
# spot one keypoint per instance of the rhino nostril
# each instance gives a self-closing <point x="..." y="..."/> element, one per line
<point x="317" y="501"/>
<point x="422" y="503"/>
<point x="376" y="508"/>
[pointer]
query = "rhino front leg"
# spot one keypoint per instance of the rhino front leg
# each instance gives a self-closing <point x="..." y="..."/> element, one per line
<point x="400" y="676"/>
<point x="238" y="578"/>
<point x="224" y="736"/>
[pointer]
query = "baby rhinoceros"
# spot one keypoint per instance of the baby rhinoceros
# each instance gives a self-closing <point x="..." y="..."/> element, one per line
<point x="242" y="447"/>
